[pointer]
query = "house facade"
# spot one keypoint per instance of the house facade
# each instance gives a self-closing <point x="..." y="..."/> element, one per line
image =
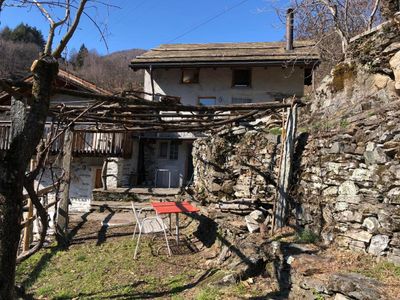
<point x="216" y="74"/>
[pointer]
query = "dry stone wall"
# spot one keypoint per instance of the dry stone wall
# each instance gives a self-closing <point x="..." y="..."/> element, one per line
<point x="348" y="187"/>
<point x="346" y="184"/>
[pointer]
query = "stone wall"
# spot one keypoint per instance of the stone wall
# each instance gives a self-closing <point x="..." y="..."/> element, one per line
<point x="346" y="185"/>
<point x="348" y="178"/>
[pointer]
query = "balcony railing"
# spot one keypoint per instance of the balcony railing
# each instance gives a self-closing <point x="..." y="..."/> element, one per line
<point x="112" y="144"/>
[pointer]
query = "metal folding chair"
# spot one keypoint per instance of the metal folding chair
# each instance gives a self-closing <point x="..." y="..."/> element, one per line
<point x="147" y="225"/>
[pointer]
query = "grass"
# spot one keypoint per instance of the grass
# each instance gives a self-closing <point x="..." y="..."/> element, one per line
<point x="209" y="293"/>
<point x="306" y="236"/>
<point x="380" y="270"/>
<point x="107" y="271"/>
<point x="91" y="272"/>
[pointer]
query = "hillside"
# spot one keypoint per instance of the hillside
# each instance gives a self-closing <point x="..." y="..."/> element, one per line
<point x="110" y="71"/>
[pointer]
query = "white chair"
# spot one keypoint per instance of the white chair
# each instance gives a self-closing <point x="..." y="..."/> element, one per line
<point x="146" y="225"/>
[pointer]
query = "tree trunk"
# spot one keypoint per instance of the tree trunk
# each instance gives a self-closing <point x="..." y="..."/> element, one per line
<point x="26" y="132"/>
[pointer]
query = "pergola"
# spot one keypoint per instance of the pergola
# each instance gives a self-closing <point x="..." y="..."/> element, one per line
<point x="130" y="112"/>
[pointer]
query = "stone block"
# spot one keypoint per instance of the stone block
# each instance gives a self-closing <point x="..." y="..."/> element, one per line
<point x="395" y="66"/>
<point x="362" y="175"/>
<point x="348" y="188"/>
<point x="358" y="235"/>
<point x="330" y="191"/>
<point x="350" y="199"/>
<point x="378" y="244"/>
<point x="371" y="224"/>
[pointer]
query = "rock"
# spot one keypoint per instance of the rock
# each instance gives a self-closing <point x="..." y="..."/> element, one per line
<point x="359" y="235"/>
<point x="215" y="187"/>
<point x="350" y="199"/>
<point x="362" y="175"/>
<point x="252" y="225"/>
<point x="378" y="244"/>
<point x="341" y="297"/>
<point x="381" y="81"/>
<point x="348" y="188"/>
<point x="330" y="191"/>
<point x="376" y="156"/>
<point x="395" y="241"/>
<point x="257" y="216"/>
<point x="356" y="286"/>
<point x="395" y="65"/>
<point x="393" y="47"/>
<point x="336" y="148"/>
<point x="228" y="279"/>
<point x="371" y="224"/>
<point x="227" y="187"/>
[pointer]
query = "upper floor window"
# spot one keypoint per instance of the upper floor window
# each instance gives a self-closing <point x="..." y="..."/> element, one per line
<point x="190" y="76"/>
<point x="241" y="78"/>
<point x="207" y="101"/>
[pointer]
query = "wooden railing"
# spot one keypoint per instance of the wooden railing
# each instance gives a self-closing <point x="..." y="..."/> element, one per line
<point x="117" y="144"/>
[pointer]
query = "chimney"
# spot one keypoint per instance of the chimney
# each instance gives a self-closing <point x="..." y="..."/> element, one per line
<point x="289" y="29"/>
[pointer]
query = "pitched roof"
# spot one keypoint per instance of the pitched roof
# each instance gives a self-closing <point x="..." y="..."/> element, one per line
<point x="175" y="55"/>
<point x="65" y="79"/>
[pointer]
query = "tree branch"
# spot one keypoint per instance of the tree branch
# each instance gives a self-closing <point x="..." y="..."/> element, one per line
<point x="64" y="41"/>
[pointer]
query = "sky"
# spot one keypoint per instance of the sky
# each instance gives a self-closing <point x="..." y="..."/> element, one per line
<point x="146" y="24"/>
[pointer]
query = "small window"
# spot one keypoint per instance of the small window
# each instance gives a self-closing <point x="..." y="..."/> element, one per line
<point x="207" y="101"/>
<point x="308" y="74"/>
<point x="163" y="150"/>
<point x="190" y="76"/>
<point x="174" y="151"/>
<point x="241" y="100"/>
<point x="241" y="78"/>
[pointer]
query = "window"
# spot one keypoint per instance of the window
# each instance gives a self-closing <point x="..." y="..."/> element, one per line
<point x="174" y="151"/>
<point x="308" y="76"/>
<point x="207" y="101"/>
<point x="241" y="100"/>
<point x="241" y="78"/>
<point x="163" y="150"/>
<point x="168" y="150"/>
<point x="190" y="76"/>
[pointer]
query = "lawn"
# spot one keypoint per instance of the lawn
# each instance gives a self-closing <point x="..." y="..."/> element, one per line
<point x="108" y="271"/>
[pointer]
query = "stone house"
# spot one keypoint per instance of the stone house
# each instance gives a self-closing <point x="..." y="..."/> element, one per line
<point x="215" y="74"/>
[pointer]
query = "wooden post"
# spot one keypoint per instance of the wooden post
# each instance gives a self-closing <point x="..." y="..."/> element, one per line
<point x="281" y="209"/>
<point x="62" y="212"/>
<point x="28" y="229"/>
<point x="104" y="174"/>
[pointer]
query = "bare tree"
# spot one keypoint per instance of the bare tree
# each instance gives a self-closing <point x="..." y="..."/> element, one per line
<point x="27" y="127"/>
<point x="332" y="23"/>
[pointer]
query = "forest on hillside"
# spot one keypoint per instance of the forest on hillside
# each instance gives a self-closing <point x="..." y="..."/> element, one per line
<point x="21" y="45"/>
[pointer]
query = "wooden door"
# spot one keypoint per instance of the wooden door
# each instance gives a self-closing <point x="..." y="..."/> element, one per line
<point x="98" y="183"/>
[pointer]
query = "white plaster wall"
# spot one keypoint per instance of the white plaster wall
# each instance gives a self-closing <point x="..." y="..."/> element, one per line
<point x="82" y="181"/>
<point x="267" y="84"/>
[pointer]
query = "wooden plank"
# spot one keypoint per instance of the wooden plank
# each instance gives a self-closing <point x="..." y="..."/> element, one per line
<point x="281" y="207"/>
<point x="62" y="212"/>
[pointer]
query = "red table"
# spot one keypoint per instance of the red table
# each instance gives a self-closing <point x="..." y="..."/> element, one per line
<point x="174" y="208"/>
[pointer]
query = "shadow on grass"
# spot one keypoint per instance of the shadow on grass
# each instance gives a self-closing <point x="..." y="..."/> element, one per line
<point x="144" y="294"/>
<point x="45" y="259"/>
<point x="102" y="235"/>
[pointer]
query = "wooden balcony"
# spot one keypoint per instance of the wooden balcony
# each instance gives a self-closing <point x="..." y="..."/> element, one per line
<point x="94" y="144"/>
